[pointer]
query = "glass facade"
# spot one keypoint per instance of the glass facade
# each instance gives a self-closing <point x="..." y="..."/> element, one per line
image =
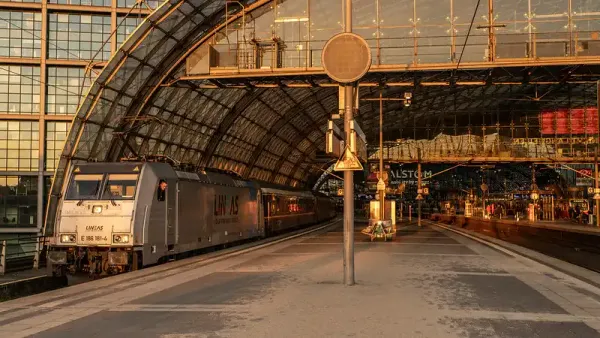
<point x="18" y="200"/>
<point x="105" y="3"/>
<point x="19" y="89"/>
<point x="20" y="34"/>
<point x="19" y="149"/>
<point x="66" y="87"/>
<point x="56" y="134"/>
<point x="44" y="98"/>
<point x="130" y="3"/>
<point x="79" y="37"/>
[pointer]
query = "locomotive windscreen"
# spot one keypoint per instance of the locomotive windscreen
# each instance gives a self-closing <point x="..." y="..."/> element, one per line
<point x="84" y="187"/>
<point x="113" y="186"/>
<point x="120" y="186"/>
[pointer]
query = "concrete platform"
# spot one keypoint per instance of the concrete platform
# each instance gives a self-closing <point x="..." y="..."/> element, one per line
<point x="429" y="282"/>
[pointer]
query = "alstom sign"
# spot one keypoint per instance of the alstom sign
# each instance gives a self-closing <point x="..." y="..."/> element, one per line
<point x="408" y="176"/>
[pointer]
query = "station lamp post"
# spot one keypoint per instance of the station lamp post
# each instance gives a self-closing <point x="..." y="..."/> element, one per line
<point x="381" y="188"/>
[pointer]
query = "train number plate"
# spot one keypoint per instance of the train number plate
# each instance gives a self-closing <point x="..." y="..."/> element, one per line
<point x="93" y="238"/>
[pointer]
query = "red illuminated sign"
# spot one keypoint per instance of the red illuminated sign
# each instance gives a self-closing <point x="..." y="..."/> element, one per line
<point x="569" y="121"/>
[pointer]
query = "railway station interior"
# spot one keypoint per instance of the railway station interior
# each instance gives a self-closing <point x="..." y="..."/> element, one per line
<point x="215" y="135"/>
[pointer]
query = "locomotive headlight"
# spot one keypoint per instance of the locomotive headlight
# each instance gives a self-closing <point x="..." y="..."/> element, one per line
<point x="67" y="238"/>
<point x="96" y="209"/>
<point x="121" y="239"/>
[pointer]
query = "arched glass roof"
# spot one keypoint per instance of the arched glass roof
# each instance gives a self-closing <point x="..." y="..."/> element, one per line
<point x="140" y="106"/>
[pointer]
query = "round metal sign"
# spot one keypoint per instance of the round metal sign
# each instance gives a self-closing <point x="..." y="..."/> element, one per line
<point x="346" y="57"/>
<point x="484" y="187"/>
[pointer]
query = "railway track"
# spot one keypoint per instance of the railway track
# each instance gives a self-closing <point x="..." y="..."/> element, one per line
<point x="576" y="248"/>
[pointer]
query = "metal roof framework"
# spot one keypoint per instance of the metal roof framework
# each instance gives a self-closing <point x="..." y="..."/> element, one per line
<point x="270" y="128"/>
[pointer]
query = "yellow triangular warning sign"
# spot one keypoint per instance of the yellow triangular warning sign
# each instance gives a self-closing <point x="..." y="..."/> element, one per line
<point x="348" y="162"/>
<point x="77" y="170"/>
<point x="136" y="168"/>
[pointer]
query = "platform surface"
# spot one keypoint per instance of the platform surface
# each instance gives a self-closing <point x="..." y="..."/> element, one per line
<point x="429" y="282"/>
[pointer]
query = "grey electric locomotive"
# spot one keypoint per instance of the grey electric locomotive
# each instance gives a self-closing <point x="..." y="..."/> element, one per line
<point x="116" y="217"/>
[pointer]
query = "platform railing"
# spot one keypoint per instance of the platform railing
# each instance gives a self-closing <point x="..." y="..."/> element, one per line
<point x="22" y="253"/>
<point x="394" y="48"/>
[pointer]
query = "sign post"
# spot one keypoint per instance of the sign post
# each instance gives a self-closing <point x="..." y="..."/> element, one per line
<point x="419" y="196"/>
<point x="346" y="58"/>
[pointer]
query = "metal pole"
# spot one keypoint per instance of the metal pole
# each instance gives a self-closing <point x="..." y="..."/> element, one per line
<point x="348" y="176"/>
<point x="533" y="187"/>
<point x="553" y="207"/>
<point x="3" y="258"/>
<point x="401" y="206"/>
<point x="597" y="201"/>
<point x="382" y="192"/>
<point x="419" y="188"/>
<point x="597" y="150"/>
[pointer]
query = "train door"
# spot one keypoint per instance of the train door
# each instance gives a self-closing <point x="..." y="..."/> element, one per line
<point x="171" y="221"/>
<point x="260" y="213"/>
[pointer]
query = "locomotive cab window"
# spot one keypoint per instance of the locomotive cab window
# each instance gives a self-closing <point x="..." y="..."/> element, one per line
<point x="84" y="187"/>
<point x="161" y="191"/>
<point x="120" y="187"/>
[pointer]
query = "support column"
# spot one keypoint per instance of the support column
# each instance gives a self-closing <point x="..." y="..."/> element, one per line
<point x="419" y="188"/>
<point x="348" y="175"/>
<point x="381" y="192"/>
<point x="552" y="197"/>
<point x="42" y="119"/>
<point x="597" y="202"/>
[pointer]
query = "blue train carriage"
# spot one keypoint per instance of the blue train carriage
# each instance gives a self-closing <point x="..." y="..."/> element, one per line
<point x="116" y="217"/>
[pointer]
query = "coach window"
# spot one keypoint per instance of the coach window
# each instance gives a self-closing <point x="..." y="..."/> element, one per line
<point x="161" y="191"/>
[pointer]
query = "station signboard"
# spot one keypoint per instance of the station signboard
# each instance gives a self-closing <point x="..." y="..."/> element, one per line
<point x="577" y="121"/>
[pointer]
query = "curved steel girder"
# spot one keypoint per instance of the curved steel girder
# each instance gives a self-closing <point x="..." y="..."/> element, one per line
<point x="289" y="114"/>
<point x="268" y="136"/>
<point x="153" y="125"/>
<point x="237" y="110"/>
<point x="294" y="144"/>
<point x="309" y="150"/>
<point x="154" y="79"/>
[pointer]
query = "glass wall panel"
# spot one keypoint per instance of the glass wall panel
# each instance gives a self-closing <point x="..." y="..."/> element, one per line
<point x="550" y="24"/>
<point x="326" y="20"/>
<point x="74" y="36"/>
<point x="126" y="26"/>
<point x="19" y="145"/>
<point x="292" y="26"/>
<point x="18" y="201"/>
<point x="66" y="86"/>
<point x="20" y="34"/>
<point x="56" y="134"/>
<point x="586" y="26"/>
<point x="433" y="30"/>
<point x="512" y="40"/>
<point x="477" y="44"/>
<point x="364" y="13"/>
<point x="19" y="89"/>
<point x="105" y="3"/>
